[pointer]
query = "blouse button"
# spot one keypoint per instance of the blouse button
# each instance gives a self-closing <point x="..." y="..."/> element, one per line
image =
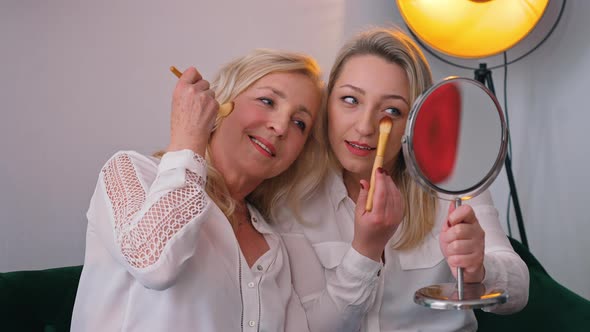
<point x="259" y="268"/>
<point x="252" y="323"/>
<point x="251" y="284"/>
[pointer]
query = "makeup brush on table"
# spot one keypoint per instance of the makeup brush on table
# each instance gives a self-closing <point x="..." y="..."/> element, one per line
<point x="384" y="129"/>
<point x="224" y="109"/>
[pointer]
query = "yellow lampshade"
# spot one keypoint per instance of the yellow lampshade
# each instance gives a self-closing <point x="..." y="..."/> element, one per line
<point x="471" y="28"/>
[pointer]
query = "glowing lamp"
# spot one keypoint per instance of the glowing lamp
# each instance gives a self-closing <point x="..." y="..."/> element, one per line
<point x="471" y="28"/>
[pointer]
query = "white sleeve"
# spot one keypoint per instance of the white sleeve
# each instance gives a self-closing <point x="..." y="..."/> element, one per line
<point x="503" y="266"/>
<point x="352" y="288"/>
<point x="155" y="212"/>
<point x="336" y="284"/>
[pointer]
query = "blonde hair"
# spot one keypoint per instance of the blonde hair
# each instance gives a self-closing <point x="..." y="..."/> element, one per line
<point x="304" y="175"/>
<point x="397" y="48"/>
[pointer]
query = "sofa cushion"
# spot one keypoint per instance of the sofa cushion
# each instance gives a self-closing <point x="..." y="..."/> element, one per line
<point x="38" y="300"/>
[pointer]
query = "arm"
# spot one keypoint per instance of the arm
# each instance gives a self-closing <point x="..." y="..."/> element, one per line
<point x="504" y="267"/>
<point x="153" y="223"/>
<point x="474" y="240"/>
<point x="339" y="299"/>
<point x="335" y="283"/>
<point x="351" y="289"/>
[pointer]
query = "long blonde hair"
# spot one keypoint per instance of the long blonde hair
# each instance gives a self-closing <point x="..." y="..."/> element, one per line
<point x="395" y="47"/>
<point x="303" y="176"/>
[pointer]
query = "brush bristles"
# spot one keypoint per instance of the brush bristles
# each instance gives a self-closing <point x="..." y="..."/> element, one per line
<point x="385" y="125"/>
<point x="226" y="108"/>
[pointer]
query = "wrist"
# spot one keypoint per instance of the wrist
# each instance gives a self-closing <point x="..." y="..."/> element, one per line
<point x="480" y="275"/>
<point x="370" y="251"/>
<point x="195" y="147"/>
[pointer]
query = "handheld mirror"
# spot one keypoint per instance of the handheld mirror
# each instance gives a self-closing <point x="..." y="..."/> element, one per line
<point x="454" y="147"/>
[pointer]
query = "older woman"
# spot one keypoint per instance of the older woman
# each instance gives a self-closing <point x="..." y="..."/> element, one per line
<point x="181" y="243"/>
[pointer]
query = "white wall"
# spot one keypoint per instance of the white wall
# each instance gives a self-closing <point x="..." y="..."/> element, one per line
<point x="82" y="79"/>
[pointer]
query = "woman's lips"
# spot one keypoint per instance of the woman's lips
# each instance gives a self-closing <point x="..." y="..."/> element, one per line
<point x="263" y="146"/>
<point x="359" y="149"/>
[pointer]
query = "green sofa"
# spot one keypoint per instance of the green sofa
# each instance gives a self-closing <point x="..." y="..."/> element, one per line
<point x="43" y="301"/>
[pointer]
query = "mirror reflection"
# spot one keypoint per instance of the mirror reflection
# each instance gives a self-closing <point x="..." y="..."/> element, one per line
<point x="457" y="137"/>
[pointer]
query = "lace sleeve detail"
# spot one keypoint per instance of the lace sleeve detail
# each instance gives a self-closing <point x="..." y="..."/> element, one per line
<point x="142" y="236"/>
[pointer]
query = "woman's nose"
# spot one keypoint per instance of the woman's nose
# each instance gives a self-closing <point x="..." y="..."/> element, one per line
<point x="367" y="123"/>
<point x="279" y="122"/>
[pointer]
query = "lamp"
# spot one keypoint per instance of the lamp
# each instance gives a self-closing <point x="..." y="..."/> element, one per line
<point x="469" y="28"/>
<point x="475" y="29"/>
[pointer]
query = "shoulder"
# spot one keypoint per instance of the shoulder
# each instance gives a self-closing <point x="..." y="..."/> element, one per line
<point x="126" y="165"/>
<point x="130" y="157"/>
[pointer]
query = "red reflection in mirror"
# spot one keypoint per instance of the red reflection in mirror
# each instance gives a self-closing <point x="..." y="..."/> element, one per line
<point x="436" y="133"/>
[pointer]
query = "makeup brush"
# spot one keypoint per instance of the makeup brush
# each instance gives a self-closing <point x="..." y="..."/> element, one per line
<point x="224" y="109"/>
<point x="384" y="129"/>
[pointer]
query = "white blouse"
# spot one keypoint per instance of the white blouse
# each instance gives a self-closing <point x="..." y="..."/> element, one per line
<point x="161" y="256"/>
<point x="341" y="290"/>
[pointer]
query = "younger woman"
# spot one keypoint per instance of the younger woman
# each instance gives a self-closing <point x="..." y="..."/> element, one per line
<point x="366" y="266"/>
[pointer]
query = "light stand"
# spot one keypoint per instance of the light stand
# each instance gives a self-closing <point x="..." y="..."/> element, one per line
<point x="484" y="76"/>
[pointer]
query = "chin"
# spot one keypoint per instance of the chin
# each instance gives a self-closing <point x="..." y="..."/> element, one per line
<point x="356" y="168"/>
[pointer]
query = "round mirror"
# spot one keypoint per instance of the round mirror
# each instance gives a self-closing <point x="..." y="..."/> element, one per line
<point x="454" y="146"/>
<point x="456" y="138"/>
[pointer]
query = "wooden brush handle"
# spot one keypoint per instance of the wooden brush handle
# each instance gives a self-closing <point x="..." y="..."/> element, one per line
<point x="175" y="71"/>
<point x="378" y="163"/>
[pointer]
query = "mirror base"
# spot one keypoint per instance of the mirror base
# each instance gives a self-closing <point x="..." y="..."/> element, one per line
<point x="446" y="297"/>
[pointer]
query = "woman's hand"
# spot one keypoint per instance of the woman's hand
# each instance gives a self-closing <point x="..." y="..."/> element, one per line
<point x="462" y="242"/>
<point x="372" y="230"/>
<point x="194" y="110"/>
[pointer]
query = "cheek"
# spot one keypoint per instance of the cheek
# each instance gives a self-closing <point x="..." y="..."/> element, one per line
<point x="331" y="126"/>
<point x="227" y="128"/>
<point x="393" y="150"/>
<point x="295" y="148"/>
<point x="338" y="123"/>
<point x="394" y="143"/>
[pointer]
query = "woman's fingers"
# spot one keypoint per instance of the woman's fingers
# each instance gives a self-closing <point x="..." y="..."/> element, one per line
<point x="380" y="192"/>
<point x="191" y="75"/>
<point x="470" y="262"/>
<point x="463" y="232"/>
<point x="374" y="229"/>
<point x="463" y="247"/>
<point x="461" y="214"/>
<point x="387" y="199"/>
<point x="462" y="241"/>
<point x="361" y="200"/>
<point x="201" y="85"/>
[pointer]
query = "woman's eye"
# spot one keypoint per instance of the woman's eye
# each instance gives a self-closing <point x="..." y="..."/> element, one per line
<point x="393" y="111"/>
<point x="266" y="101"/>
<point x="349" y="100"/>
<point x="300" y="124"/>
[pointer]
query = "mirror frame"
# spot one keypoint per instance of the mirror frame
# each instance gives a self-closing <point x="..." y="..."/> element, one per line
<point x="410" y="156"/>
